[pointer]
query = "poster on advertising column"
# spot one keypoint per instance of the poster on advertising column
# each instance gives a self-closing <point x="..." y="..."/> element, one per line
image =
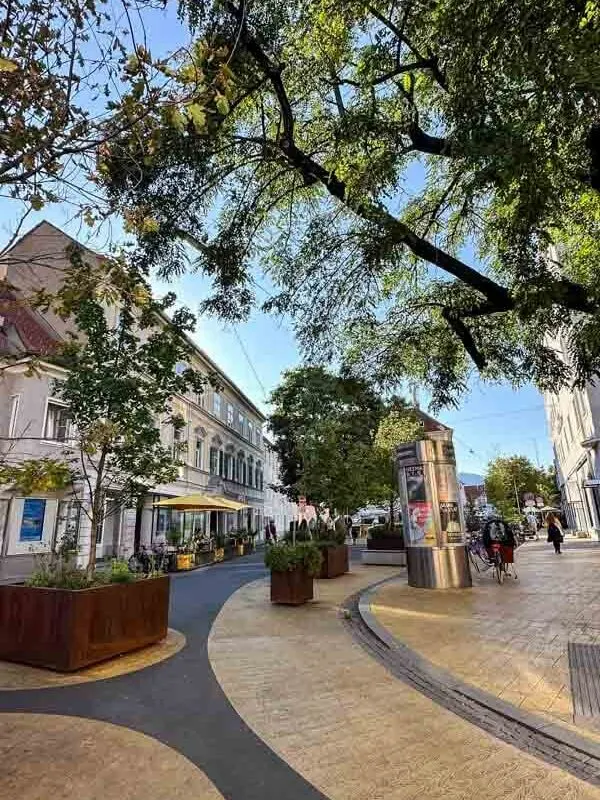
<point x="421" y="527"/>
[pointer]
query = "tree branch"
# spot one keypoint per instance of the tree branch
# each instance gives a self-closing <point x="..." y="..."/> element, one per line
<point x="465" y="336"/>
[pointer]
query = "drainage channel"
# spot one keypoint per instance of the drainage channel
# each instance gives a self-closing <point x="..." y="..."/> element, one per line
<point x="549" y="742"/>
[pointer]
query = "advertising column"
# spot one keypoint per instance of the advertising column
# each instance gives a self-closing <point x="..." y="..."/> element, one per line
<point x="431" y="513"/>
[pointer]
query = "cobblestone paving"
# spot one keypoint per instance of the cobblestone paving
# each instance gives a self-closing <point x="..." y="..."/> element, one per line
<point x="508" y="640"/>
<point x="347" y="724"/>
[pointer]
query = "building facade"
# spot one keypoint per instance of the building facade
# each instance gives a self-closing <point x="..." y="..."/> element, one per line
<point x="574" y="425"/>
<point x="221" y="445"/>
<point x="277" y="506"/>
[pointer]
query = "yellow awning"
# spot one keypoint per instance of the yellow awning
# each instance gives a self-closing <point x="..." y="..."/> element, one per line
<point x="201" y="502"/>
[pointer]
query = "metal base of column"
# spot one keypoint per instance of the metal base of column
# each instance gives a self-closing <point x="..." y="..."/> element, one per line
<point x="438" y="567"/>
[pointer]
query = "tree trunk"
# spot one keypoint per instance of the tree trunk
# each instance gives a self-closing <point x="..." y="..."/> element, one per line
<point x="392" y="494"/>
<point x="97" y="512"/>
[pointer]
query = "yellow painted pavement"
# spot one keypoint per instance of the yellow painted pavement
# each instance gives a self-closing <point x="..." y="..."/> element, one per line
<point x="348" y="726"/>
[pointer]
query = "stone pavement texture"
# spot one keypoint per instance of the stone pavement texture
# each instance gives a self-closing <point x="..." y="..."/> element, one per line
<point x="51" y="757"/>
<point x="177" y="704"/>
<point x="509" y="640"/>
<point x="342" y="721"/>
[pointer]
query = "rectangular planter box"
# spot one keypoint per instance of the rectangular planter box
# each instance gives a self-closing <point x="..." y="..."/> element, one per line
<point x="204" y="557"/>
<point x="335" y="561"/>
<point x="185" y="561"/>
<point x="386" y="543"/>
<point x="67" y="629"/>
<point x="292" y="587"/>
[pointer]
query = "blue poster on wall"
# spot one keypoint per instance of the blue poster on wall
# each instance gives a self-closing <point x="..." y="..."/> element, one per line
<point x="32" y="523"/>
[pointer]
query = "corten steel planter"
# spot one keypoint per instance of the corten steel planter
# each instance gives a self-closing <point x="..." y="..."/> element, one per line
<point x="67" y="629"/>
<point x="292" y="587"/>
<point x="386" y="543"/>
<point x="335" y="561"/>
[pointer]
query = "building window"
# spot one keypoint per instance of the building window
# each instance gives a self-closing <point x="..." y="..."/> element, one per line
<point x="240" y="422"/>
<point x="250" y="431"/>
<point x="198" y="454"/>
<point x="200" y="399"/>
<point x="230" y="415"/>
<point x="228" y="466"/>
<point x="258" y="437"/>
<point x="221" y="464"/>
<point x="217" y="404"/>
<point x="32" y="521"/>
<point x="250" y="471"/>
<point x="14" y="412"/>
<point x="243" y="472"/>
<point x="58" y="422"/>
<point x="67" y="522"/>
<point x="214" y="461"/>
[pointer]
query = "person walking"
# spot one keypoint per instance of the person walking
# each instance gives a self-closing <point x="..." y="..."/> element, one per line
<point x="273" y="530"/>
<point x="267" y="533"/>
<point x="554" y="533"/>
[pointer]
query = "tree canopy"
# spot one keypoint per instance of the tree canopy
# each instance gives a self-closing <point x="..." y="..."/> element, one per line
<point x="509" y="477"/>
<point x="420" y="181"/>
<point x="324" y="427"/>
<point x="335" y="438"/>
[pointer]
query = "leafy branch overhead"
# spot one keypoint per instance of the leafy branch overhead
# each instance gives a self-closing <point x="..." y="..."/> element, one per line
<point x="402" y="172"/>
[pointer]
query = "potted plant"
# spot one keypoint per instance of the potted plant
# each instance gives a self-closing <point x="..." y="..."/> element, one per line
<point x="382" y="537"/>
<point x="333" y="547"/>
<point x="219" y="540"/>
<point x="64" y="619"/>
<point x="292" y="570"/>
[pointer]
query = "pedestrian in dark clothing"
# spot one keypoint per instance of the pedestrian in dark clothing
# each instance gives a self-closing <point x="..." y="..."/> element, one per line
<point x="267" y="533"/>
<point x="273" y="530"/>
<point x="554" y="533"/>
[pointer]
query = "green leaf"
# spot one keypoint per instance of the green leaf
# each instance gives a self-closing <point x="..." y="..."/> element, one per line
<point x="6" y="65"/>
<point x="197" y="116"/>
<point x="222" y="104"/>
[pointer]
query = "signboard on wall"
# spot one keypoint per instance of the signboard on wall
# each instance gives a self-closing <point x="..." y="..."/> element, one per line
<point x="32" y="521"/>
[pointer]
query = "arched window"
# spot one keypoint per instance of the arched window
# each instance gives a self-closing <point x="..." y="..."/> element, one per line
<point x="200" y="435"/>
<point x="216" y="456"/>
<point x="229" y="462"/>
<point x="250" y="471"/>
<point x="258" y="476"/>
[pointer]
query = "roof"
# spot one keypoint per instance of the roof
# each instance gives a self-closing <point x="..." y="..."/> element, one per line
<point x="202" y="353"/>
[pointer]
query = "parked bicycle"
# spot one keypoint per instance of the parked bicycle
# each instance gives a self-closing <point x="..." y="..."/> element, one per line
<point x="494" y="549"/>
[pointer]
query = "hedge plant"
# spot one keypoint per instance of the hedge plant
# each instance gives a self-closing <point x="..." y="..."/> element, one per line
<point x="284" y="557"/>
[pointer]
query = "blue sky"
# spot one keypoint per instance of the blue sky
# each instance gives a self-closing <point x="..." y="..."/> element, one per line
<point x="492" y="420"/>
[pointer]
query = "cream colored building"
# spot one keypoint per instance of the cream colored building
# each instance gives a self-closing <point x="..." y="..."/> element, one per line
<point x="277" y="506"/>
<point x="221" y="444"/>
<point x="574" y="425"/>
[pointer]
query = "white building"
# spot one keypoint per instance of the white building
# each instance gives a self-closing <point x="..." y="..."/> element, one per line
<point x="277" y="507"/>
<point x="574" y="426"/>
<point x="224" y="451"/>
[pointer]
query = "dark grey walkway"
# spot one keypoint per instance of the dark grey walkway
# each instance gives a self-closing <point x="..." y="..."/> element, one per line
<point x="180" y="702"/>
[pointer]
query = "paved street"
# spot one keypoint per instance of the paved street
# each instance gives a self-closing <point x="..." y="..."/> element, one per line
<point x="261" y="701"/>
<point x="509" y="640"/>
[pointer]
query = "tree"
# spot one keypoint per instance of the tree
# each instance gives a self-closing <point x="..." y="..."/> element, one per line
<point x="120" y="383"/>
<point x="400" y="424"/>
<point x="324" y="428"/>
<point x="74" y="74"/>
<point x="363" y="152"/>
<point x="509" y="477"/>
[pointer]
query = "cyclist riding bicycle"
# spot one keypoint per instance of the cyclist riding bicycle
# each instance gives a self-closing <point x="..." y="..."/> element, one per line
<point x="498" y="537"/>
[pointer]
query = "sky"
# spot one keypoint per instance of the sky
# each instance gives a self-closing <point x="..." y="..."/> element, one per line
<point x="491" y="421"/>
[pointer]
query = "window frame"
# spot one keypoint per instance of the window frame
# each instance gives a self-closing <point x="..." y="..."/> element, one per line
<point x="57" y="404"/>
<point x="199" y="452"/>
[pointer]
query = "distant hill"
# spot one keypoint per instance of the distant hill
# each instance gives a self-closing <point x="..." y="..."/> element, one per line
<point x="471" y="479"/>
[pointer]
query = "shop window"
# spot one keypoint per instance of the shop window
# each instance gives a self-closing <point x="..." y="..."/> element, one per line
<point x="32" y="521"/>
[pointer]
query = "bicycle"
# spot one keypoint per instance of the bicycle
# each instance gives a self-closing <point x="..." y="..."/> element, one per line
<point x="496" y="558"/>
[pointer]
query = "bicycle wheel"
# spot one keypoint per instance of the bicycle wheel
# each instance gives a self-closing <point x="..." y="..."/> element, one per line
<point x="499" y="569"/>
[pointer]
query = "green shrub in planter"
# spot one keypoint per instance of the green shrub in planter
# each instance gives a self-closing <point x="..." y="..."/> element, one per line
<point x="284" y="557"/>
